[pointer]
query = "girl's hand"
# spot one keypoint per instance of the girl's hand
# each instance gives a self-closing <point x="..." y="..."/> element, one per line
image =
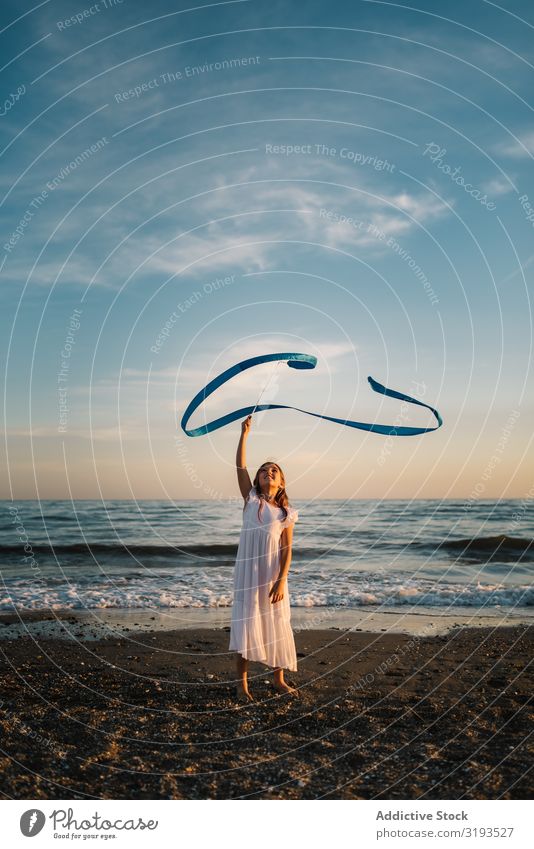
<point x="277" y="590"/>
<point x="245" y="425"/>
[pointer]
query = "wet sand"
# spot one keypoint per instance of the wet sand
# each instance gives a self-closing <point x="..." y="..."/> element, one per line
<point x="96" y="623"/>
<point x="151" y="714"/>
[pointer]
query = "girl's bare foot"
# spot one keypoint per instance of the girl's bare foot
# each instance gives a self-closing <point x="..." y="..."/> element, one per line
<point x="243" y="694"/>
<point x="282" y="687"/>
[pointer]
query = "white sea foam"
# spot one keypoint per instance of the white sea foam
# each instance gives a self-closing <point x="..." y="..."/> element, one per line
<point x="210" y="591"/>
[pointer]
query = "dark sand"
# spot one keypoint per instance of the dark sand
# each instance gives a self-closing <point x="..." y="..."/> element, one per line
<point x="381" y="716"/>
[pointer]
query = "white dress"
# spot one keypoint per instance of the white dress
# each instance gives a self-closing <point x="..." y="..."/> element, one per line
<point x="261" y="630"/>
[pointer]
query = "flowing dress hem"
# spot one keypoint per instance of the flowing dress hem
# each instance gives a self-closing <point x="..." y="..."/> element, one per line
<point x="248" y="656"/>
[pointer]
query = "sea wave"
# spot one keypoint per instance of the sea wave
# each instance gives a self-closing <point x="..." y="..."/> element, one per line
<point x="123" y="548"/>
<point x="500" y="547"/>
<point x="213" y="553"/>
<point x="155" y="593"/>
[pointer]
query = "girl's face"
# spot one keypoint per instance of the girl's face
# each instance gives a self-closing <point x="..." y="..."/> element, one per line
<point x="269" y="476"/>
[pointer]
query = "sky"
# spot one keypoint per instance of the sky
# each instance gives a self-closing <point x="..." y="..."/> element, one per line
<point x="185" y="186"/>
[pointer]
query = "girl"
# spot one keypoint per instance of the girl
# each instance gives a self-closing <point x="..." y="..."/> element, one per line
<point x="261" y="628"/>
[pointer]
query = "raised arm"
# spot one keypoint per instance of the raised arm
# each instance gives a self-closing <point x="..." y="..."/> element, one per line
<point x="243" y="477"/>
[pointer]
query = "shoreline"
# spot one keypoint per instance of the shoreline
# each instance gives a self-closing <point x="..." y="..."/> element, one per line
<point x="101" y="623"/>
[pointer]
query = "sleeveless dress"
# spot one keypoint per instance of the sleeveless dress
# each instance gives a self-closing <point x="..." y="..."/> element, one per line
<point x="261" y="630"/>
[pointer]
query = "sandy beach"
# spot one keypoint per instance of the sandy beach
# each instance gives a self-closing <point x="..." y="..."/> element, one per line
<point x="150" y="713"/>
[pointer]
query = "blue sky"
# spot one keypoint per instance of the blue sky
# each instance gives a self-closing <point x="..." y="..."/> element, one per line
<point x="357" y="178"/>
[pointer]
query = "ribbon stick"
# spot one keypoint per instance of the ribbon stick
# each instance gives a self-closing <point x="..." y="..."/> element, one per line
<point x="296" y="361"/>
<point x="262" y="393"/>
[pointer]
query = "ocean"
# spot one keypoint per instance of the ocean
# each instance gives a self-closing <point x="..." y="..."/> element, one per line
<point x="424" y="554"/>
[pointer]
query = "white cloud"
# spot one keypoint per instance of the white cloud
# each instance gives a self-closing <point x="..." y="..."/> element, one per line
<point x="78" y="270"/>
<point x="498" y="186"/>
<point x="234" y="241"/>
<point x="520" y="149"/>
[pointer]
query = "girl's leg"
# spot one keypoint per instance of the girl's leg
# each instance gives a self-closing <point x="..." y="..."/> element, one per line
<point x="280" y="684"/>
<point x="242" y="690"/>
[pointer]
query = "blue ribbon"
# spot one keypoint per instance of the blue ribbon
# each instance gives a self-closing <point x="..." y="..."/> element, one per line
<point x="297" y="361"/>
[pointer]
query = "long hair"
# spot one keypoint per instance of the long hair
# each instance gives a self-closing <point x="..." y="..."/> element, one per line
<point x="280" y="499"/>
